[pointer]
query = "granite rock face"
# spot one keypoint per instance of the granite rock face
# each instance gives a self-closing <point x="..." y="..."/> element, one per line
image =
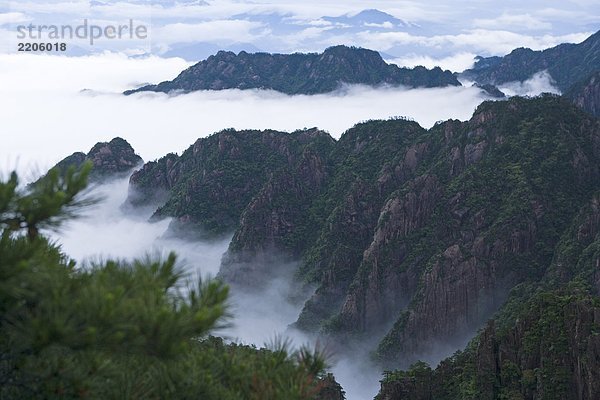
<point x="543" y="344"/>
<point x="208" y="186"/>
<point x="586" y="94"/>
<point x="416" y="236"/>
<point x="109" y="160"/>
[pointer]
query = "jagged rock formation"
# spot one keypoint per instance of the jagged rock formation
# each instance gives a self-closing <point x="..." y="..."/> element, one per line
<point x="212" y="182"/>
<point x="109" y="159"/>
<point x="566" y="63"/>
<point x="551" y="352"/>
<point x="544" y="344"/>
<point x="330" y="389"/>
<point x="586" y="94"/>
<point x="299" y="73"/>
<point x="425" y="231"/>
<point x="478" y="219"/>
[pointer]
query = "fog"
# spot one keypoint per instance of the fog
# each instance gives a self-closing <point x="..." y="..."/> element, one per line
<point x="105" y="230"/>
<point x="540" y="82"/>
<point x="455" y="63"/>
<point x="47" y="116"/>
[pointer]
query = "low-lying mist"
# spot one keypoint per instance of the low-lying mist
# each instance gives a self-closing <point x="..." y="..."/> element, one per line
<point x="107" y="230"/>
<point x="50" y="115"/>
<point x="540" y="82"/>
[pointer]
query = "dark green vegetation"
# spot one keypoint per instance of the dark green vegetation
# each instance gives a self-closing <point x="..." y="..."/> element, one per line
<point x="299" y="73"/>
<point x="417" y="234"/>
<point x="586" y="94"/>
<point x="121" y="330"/>
<point x="109" y="160"/>
<point x="568" y="64"/>
<point x="543" y="344"/>
<point x="211" y="183"/>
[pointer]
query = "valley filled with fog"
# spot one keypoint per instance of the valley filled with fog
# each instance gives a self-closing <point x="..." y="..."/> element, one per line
<point x="106" y="230"/>
<point x="455" y="261"/>
<point x="77" y="102"/>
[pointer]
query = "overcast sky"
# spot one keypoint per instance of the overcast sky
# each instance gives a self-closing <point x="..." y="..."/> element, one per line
<point x="401" y="29"/>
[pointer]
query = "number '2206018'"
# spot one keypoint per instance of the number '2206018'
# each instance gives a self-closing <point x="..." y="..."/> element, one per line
<point x="42" y="46"/>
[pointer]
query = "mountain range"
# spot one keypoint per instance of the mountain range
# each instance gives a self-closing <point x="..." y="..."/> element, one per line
<point x="573" y="68"/>
<point x="481" y="235"/>
<point x="299" y="73"/>
<point x="417" y="237"/>
<point x="567" y="64"/>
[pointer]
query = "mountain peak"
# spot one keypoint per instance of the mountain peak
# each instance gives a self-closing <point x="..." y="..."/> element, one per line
<point x="109" y="159"/>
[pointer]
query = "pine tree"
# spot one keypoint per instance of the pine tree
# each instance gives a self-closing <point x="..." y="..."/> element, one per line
<point x="119" y="330"/>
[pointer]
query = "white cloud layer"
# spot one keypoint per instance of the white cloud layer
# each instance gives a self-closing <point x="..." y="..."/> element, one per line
<point x="46" y="117"/>
<point x="219" y="31"/>
<point x="518" y="21"/>
<point x="455" y="63"/>
<point x="540" y="82"/>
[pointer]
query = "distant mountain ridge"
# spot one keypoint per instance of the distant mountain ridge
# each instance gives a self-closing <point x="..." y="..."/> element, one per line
<point x="566" y="63"/>
<point x="299" y="73"/>
<point x="369" y="17"/>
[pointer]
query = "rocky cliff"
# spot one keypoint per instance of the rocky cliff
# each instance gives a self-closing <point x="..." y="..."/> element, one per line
<point x="208" y="187"/>
<point x="543" y="344"/>
<point x="416" y="235"/>
<point x="586" y="94"/>
<point x="299" y="73"/>
<point x="109" y="160"/>
<point x="482" y="216"/>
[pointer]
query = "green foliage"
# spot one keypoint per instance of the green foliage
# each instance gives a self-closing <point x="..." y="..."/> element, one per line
<point x="567" y="64"/>
<point x="300" y="73"/>
<point x="120" y="330"/>
<point x="50" y="200"/>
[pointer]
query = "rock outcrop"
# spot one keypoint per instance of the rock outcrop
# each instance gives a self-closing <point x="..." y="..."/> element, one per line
<point x="551" y="352"/>
<point x="543" y="344"/>
<point x="586" y="94"/>
<point x="109" y="160"/>
<point x="208" y="187"/>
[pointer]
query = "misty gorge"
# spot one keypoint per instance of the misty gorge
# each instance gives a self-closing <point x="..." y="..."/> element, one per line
<point x="317" y="200"/>
<point x="380" y="245"/>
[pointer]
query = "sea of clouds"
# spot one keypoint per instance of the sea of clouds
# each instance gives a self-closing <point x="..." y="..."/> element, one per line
<point x="52" y="106"/>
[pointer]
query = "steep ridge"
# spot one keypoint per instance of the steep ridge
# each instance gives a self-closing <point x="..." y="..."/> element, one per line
<point x="512" y="178"/>
<point x="299" y="73"/>
<point x="566" y="63"/>
<point x="208" y="187"/>
<point x="543" y="344"/>
<point x="586" y="94"/>
<point x="412" y="233"/>
<point x="109" y="160"/>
